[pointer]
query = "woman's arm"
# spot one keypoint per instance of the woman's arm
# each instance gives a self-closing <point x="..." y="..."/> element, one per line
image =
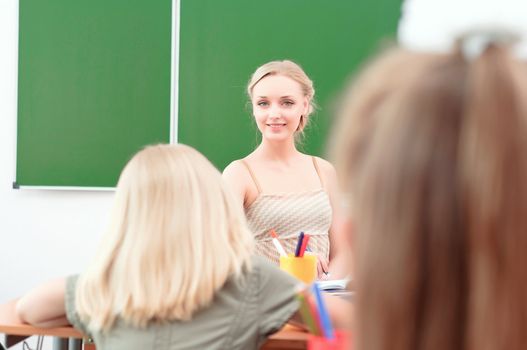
<point x="339" y="240"/>
<point x="235" y="177"/>
<point x="44" y="305"/>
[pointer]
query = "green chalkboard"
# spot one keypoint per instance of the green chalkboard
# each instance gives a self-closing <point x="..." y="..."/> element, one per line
<point x="222" y="43"/>
<point x="93" y="87"/>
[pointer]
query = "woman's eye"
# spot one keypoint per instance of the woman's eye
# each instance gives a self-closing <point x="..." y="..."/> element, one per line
<point x="288" y="103"/>
<point x="263" y="104"/>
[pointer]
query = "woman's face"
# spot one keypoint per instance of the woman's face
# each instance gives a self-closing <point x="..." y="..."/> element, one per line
<point x="278" y="104"/>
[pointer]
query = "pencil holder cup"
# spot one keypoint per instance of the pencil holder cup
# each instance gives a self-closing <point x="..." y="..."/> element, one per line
<point x="304" y="268"/>
<point x="342" y="341"/>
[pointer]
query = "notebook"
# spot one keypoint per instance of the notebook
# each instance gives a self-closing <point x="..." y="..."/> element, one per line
<point x="333" y="284"/>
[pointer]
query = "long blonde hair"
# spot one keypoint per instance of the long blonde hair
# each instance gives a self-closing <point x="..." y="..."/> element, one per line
<point x="177" y="234"/>
<point x="433" y="149"/>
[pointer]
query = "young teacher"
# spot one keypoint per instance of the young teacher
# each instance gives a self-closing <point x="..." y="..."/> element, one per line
<point x="281" y="188"/>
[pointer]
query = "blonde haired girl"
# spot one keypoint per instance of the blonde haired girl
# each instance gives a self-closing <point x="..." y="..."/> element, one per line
<point x="174" y="269"/>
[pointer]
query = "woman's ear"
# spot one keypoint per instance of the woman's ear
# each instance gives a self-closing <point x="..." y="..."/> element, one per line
<point x="307" y="106"/>
<point x="305" y="113"/>
<point x="301" y="123"/>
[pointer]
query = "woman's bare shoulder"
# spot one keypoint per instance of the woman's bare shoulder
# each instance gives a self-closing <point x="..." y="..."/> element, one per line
<point x="234" y="172"/>
<point x="233" y="167"/>
<point x="326" y="167"/>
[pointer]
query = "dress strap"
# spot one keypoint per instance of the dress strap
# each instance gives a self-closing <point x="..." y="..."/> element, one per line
<point x="252" y="176"/>
<point x="315" y="163"/>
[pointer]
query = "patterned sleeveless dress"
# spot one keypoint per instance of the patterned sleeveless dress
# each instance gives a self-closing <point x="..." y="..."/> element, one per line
<point x="289" y="214"/>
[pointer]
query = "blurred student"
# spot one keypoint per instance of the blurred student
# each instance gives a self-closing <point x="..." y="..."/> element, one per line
<point x="433" y="151"/>
<point x="280" y="187"/>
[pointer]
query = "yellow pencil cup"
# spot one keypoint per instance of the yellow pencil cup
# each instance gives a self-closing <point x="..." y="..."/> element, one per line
<point x="304" y="268"/>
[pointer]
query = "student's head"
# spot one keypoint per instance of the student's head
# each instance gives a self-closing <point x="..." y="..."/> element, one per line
<point x="432" y="149"/>
<point x="281" y="93"/>
<point x="176" y="235"/>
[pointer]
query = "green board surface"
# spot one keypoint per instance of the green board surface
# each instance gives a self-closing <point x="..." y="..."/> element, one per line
<point x="223" y="42"/>
<point x="93" y="88"/>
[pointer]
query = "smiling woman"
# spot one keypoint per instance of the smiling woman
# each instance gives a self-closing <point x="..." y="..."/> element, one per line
<point x="281" y="188"/>
<point x="279" y="107"/>
<point x="291" y="88"/>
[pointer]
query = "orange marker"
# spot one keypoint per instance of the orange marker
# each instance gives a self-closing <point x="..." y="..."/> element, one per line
<point x="277" y="244"/>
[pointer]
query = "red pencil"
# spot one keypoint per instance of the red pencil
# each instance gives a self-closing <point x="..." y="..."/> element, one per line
<point x="304" y="245"/>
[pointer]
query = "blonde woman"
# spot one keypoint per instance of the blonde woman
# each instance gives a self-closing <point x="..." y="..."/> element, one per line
<point x="174" y="270"/>
<point x="280" y="187"/>
<point x="433" y="150"/>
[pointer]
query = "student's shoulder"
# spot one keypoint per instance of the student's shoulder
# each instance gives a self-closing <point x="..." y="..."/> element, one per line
<point x="262" y="266"/>
<point x="262" y="273"/>
<point x="269" y="273"/>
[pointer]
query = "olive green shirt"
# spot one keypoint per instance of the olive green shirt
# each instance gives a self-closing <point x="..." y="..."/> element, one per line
<point x="243" y="313"/>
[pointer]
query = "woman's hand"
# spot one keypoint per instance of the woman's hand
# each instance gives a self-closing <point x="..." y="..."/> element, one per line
<point x="322" y="267"/>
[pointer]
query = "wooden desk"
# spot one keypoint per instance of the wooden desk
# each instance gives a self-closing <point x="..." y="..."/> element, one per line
<point x="288" y="338"/>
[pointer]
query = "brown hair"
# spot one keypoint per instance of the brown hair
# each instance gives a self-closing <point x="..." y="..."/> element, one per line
<point x="433" y="151"/>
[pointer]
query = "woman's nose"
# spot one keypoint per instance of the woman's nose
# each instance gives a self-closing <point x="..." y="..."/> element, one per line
<point x="274" y="111"/>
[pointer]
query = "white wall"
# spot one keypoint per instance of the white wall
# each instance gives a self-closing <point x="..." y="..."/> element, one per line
<point x="432" y="25"/>
<point x="43" y="234"/>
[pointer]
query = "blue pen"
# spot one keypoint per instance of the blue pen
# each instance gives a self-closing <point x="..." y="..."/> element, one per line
<point x="325" y="321"/>
<point x="299" y="243"/>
